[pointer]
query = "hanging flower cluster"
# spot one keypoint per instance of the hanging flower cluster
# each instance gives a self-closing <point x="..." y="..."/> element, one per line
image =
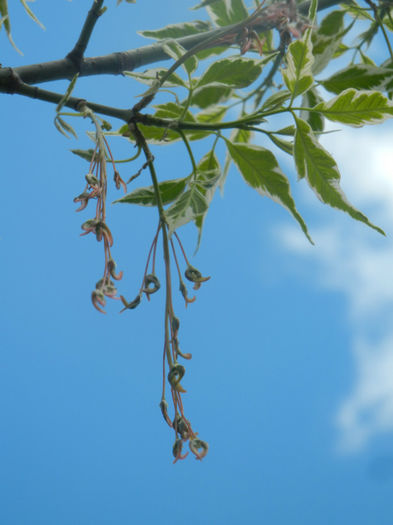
<point x="171" y="354"/>
<point x="96" y="189"/>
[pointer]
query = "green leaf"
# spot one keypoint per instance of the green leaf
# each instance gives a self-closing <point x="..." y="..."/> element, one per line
<point x="368" y="35"/>
<point x="169" y="191"/>
<point x="315" y="164"/>
<point x="173" y="111"/>
<point x="2" y="20"/>
<point x="64" y="128"/>
<point x="204" y="3"/>
<point x="226" y="12"/>
<point x="298" y="75"/>
<point x="288" y="130"/>
<point x="210" y="94"/>
<point x="312" y="12"/>
<point x="332" y="24"/>
<point x="237" y="135"/>
<point x="86" y="154"/>
<point x="162" y="136"/>
<point x="284" y="145"/>
<point x="355" y="10"/>
<point x="5" y="20"/>
<point x="357" y="108"/>
<point x="342" y="48"/>
<point x="151" y="76"/>
<point x="387" y="20"/>
<point x="276" y="100"/>
<point x="196" y="135"/>
<point x="260" y="170"/>
<point x="366" y="60"/>
<point x="310" y="99"/>
<point x="31" y="14"/>
<point x="211" y="114"/>
<point x="190" y="205"/>
<point x="67" y="94"/>
<point x="158" y="135"/>
<point x="236" y="72"/>
<point x="327" y="40"/>
<point x="178" y="30"/>
<point x="359" y="76"/>
<point x="209" y="174"/>
<point x="205" y="53"/>
<point x="176" y="51"/>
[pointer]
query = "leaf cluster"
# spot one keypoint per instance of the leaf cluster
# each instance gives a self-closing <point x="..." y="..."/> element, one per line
<point x="288" y="80"/>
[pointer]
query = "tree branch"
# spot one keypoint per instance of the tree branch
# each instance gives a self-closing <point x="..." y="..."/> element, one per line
<point x="116" y="63"/>
<point x="16" y="86"/>
<point x="76" y="55"/>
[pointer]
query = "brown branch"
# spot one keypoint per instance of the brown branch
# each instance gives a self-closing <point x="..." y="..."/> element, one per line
<point x="16" y="86"/>
<point x="76" y="55"/>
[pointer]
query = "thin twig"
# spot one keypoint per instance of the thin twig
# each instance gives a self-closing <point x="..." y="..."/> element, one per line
<point x="76" y="55"/>
<point x="381" y="25"/>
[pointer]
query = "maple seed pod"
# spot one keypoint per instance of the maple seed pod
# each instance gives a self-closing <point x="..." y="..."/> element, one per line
<point x="108" y="288"/>
<point x="83" y="196"/>
<point x="112" y="268"/>
<point x="196" y="445"/>
<point x="177" y="447"/>
<point x="184" y="356"/>
<point x="130" y="306"/>
<point x="89" y="225"/>
<point x="177" y="450"/>
<point x="98" y="300"/>
<point x="99" y="294"/>
<point x="164" y="412"/>
<point x="175" y="375"/>
<point x="183" y="291"/>
<point x="152" y="284"/>
<point x="175" y="324"/>
<point x="92" y="180"/>
<point x="181" y="426"/>
<point x="193" y="275"/>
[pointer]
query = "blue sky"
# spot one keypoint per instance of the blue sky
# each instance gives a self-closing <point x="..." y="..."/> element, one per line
<point x="291" y="380"/>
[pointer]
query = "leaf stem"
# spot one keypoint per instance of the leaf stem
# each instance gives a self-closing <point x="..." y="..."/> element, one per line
<point x="189" y="150"/>
<point x="140" y="139"/>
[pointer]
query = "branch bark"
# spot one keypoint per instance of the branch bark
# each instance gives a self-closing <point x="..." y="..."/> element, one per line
<point x="116" y="63"/>
<point x="77" y="53"/>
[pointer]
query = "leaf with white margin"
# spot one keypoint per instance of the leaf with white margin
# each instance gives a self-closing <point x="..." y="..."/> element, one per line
<point x="191" y="204"/>
<point x="261" y="171"/>
<point x="176" y="51"/>
<point x="357" y="108"/>
<point x="298" y="75"/>
<point x="226" y="12"/>
<point x="151" y="76"/>
<point x="320" y="170"/>
<point x="177" y="30"/>
<point x="359" y="76"/>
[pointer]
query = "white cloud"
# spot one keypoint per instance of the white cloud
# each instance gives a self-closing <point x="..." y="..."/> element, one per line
<point x="365" y="159"/>
<point x="369" y="408"/>
<point x="360" y="264"/>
